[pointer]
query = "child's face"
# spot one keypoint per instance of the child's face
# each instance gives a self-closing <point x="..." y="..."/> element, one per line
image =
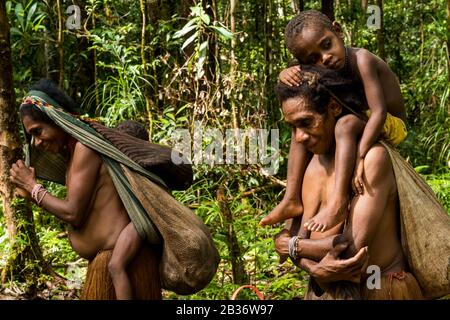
<point x="320" y="46"/>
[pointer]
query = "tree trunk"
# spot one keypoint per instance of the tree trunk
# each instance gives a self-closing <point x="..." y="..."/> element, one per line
<point x="185" y="8"/>
<point x="380" y="33"/>
<point x="269" y="60"/>
<point x="237" y="267"/>
<point x="298" y="6"/>
<point x="147" y="93"/>
<point x="422" y="36"/>
<point x="152" y="10"/>
<point x="351" y="18"/>
<point x="60" y="41"/>
<point x="25" y="258"/>
<point x="210" y="9"/>
<point x="233" y="65"/>
<point x="165" y="9"/>
<point x="47" y="54"/>
<point x="301" y="5"/>
<point x="83" y="79"/>
<point x="328" y="8"/>
<point x="9" y="137"/>
<point x="94" y="60"/>
<point x="364" y="4"/>
<point x="448" y="38"/>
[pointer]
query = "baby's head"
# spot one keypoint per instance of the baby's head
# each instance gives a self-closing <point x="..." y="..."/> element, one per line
<point x="133" y="128"/>
<point x="313" y="39"/>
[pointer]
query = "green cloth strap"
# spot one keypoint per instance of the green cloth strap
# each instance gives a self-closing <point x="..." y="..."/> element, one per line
<point x="113" y="158"/>
<point x="91" y="138"/>
<point x="94" y="140"/>
<point x="44" y="97"/>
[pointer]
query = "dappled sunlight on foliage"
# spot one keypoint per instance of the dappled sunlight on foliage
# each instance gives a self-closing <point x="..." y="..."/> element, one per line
<point x="191" y="70"/>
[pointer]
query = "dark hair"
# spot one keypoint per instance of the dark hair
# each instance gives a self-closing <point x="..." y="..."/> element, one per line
<point x="302" y="20"/>
<point x="318" y="98"/>
<point x="133" y="128"/>
<point x="53" y="91"/>
<point x="316" y="85"/>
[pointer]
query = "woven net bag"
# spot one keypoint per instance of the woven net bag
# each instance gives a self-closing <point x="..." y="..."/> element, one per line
<point x="425" y="229"/>
<point x="189" y="257"/>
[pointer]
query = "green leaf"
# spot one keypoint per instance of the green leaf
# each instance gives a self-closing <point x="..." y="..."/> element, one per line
<point x="184" y="31"/>
<point x="182" y="108"/>
<point x="189" y="24"/>
<point x="203" y="48"/>
<point x="38" y="25"/>
<point x="205" y="18"/>
<point x="170" y="116"/>
<point x="18" y="9"/>
<point x="19" y="14"/>
<point x="189" y="41"/>
<point x="15" y="31"/>
<point x="31" y="11"/>
<point x="165" y="122"/>
<point x="421" y="169"/>
<point x="223" y="32"/>
<point x="202" y="57"/>
<point x="199" y="65"/>
<point x="197" y="10"/>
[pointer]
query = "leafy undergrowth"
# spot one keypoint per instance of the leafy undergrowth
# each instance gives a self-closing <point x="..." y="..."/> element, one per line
<point x="439" y="182"/>
<point x="275" y="281"/>
<point x="53" y="240"/>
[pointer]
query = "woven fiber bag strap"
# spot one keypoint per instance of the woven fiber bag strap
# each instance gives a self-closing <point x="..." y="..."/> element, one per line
<point x="249" y="286"/>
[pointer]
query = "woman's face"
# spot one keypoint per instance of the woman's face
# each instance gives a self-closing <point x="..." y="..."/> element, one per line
<point x="312" y="129"/>
<point x="46" y="136"/>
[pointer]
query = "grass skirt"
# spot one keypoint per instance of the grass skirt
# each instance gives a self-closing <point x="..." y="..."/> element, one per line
<point x="143" y="272"/>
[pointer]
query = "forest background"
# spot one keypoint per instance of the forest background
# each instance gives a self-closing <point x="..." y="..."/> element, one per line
<point x="177" y="64"/>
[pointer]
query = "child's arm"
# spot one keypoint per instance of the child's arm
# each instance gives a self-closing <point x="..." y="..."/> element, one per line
<point x="376" y="102"/>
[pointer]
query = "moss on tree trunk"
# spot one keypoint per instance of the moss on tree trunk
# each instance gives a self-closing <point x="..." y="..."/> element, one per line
<point x="25" y="262"/>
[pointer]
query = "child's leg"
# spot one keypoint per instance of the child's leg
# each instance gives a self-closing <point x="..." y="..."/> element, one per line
<point x="291" y="205"/>
<point x="127" y="246"/>
<point x="347" y="131"/>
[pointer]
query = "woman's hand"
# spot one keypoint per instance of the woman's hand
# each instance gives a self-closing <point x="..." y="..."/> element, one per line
<point x="290" y="76"/>
<point x="331" y="268"/>
<point x="22" y="176"/>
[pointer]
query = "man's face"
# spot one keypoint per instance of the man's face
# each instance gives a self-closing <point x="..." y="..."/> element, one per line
<point x="320" y="46"/>
<point x="47" y="137"/>
<point x="312" y="129"/>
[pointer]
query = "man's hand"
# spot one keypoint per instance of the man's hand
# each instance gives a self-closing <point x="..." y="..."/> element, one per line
<point x="331" y="268"/>
<point x="282" y="244"/>
<point x="290" y="76"/>
<point x="23" y="176"/>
